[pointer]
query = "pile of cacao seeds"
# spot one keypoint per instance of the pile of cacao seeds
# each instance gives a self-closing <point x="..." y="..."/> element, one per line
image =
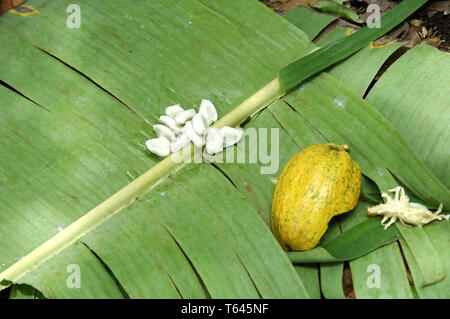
<point x="179" y="127"/>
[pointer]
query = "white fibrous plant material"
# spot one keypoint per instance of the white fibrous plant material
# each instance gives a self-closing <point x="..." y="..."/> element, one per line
<point x="400" y="208"/>
<point x="179" y="127"/>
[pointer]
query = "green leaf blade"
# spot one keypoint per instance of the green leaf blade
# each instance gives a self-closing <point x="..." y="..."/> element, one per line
<point x="423" y="114"/>
<point x="308" y="21"/>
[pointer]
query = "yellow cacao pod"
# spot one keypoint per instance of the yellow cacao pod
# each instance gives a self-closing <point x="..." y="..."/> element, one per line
<point x="316" y="184"/>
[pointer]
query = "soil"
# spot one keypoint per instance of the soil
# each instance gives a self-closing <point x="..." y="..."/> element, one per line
<point x="5" y="5"/>
<point x="437" y="24"/>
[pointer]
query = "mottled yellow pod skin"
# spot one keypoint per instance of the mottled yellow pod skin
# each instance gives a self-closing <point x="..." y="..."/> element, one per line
<point x="316" y="184"/>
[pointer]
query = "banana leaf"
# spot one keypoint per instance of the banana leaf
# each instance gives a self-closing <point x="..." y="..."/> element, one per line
<point x="422" y="115"/>
<point x="60" y="125"/>
<point x="312" y="23"/>
<point x="82" y="139"/>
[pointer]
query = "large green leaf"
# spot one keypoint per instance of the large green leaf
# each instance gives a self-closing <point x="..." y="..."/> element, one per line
<point x="439" y="235"/>
<point x="422" y="115"/>
<point x="74" y="144"/>
<point x="199" y="243"/>
<point x="152" y="54"/>
<point x="309" y="21"/>
<point x="51" y="278"/>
